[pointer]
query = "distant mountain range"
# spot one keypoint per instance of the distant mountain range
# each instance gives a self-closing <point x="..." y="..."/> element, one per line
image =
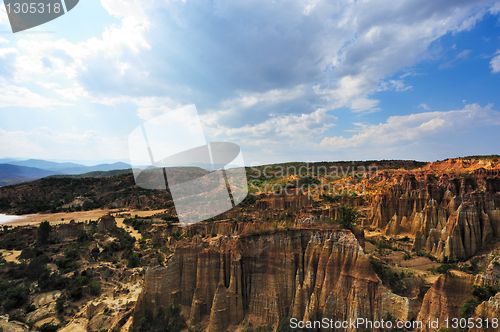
<point x="14" y="171"/>
<point x="11" y="174"/>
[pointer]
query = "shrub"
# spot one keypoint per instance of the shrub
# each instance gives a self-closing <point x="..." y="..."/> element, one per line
<point x="13" y="296"/>
<point x="425" y="254"/>
<point x="171" y="320"/>
<point x="348" y="216"/>
<point x="94" y="253"/>
<point x="444" y="268"/>
<point x="44" y="231"/>
<point x="49" y="327"/>
<point x="133" y="261"/>
<point x="60" y="304"/>
<point x="26" y="254"/>
<point x="483" y="293"/>
<point x="75" y="288"/>
<point x="83" y="237"/>
<point x="94" y="287"/>
<point x="469" y="307"/>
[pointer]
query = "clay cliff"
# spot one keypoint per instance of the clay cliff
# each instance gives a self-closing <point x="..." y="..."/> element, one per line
<point x="306" y="273"/>
<point x="446" y="297"/>
<point x="448" y="216"/>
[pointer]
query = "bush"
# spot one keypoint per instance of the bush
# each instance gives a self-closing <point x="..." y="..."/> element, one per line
<point x="83" y="237"/>
<point x="425" y="254"/>
<point x="483" y="293"/>
<point x="133" y="261"/>
<point x="171" y="320"/>
<point x="26" y="254"/>
<point x="469" y="308"/>
<point x="75" y="288"/>
<point x="13" y="296"/>
<point x="444" y="268"/>
<point x="44" y="231"/>
<point x="348" y="217"/>
<point x="389" y="277"/>
<point x="49" y="327"/>
<point x="60" y="304"/>
<point x="94" y="253"/>
<point x="49" y="281"/>
<point x="94" y="287"/>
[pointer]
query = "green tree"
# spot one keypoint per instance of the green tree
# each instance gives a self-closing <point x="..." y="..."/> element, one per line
<point x="94" y="287"/>
<point x="94" y="253"/>
<point x="44" y="231"/>
<point x="26" y="254"/>
<point x="170" y="320"/>
<point x="348" y="216"/>
<point x="60" y="304"/>
<point x="133" y="261"/>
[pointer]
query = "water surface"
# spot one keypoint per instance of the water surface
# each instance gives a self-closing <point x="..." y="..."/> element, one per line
<point x="5" y="218"/>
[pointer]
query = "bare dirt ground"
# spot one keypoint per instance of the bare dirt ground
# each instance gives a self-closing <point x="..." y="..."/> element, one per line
<point x="65" y="217"/>
<point x="10" y="255"/>
<point x="131" y="230"/>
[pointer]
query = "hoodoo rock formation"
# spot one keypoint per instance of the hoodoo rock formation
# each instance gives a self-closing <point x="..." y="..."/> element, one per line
<point x="446" y="297"/>
<point x="306" y="273"/>
<point x="449" y="218"/>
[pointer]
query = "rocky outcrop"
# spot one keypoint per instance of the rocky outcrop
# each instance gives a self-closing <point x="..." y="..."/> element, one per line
<point x="489" y="310"/>
<point x="446" y="297"/>
<point x="307" y="273"/>
<point x="65" y="231"/>
<point x="106" y="223"/>
<point x="448" y="217"/>
<point x="13" y="326"/>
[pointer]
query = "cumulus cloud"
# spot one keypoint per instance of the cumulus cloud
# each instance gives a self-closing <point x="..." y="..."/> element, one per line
<point x="285" y="126"/>
<point x="45" y="143"/>
<point x="495" y="63"/>
<point x="407" y="129"/>
<point x="62" y="58"/>
<point x="13" y="95"/>
<point x="211" y="54"/>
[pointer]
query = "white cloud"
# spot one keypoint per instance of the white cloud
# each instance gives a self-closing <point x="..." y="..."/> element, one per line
<point x="495" y="9"/>
<point x="63" y="58"/>
<point x="495" y="63"/>
<point x="462" y="55"/>
<point x="424" y="106"/>
<point x="4" y="19"/>
<point x="46" y="143"/>
<point x="48" y="85"/>
<point x="74" y="93"/>
<point x="408" y="129"/>
<point x="305" y="125"/>
<point x="20" y="96"/>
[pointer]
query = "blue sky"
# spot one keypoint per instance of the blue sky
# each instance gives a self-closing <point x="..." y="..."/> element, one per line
<point x="287" y="81"/>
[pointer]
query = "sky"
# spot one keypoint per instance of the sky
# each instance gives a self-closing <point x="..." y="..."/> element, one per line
<point x="285" y="80"/>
